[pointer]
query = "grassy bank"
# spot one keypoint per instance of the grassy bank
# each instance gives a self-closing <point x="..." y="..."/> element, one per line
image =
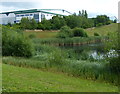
<point x="18" y="79"/>
<point x="102" y="30"/>
<point x="49" y="37"/>
<point x="58" y="62"/>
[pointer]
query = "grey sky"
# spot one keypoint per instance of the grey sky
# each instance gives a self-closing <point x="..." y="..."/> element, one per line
<point x="93" y="7"/>
<point x="18" y="4"/>
<point x="12" y="6"/>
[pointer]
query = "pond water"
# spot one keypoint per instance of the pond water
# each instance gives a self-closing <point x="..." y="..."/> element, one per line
<point x="88" y="51"/>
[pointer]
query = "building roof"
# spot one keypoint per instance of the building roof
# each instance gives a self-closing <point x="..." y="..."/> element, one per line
<point x="36" y="10"/>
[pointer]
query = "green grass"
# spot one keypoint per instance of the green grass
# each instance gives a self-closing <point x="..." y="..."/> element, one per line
<point x="18" y="79"/>
<point x="43" y="34"/>
<point x="56" y="61"/>
<point x="102" y="30"/>
<point x="0" y="74"/>
<point x="27" y="79"/>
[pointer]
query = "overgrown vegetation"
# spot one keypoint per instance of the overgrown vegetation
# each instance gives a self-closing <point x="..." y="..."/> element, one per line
<point x="113" y="47"/>
<point x="69" y="41"/>
<point x="58" y="62"/>
<point x="72" y="32"/>
<point x="14" y="43"/>
<point x="49" y="57"/>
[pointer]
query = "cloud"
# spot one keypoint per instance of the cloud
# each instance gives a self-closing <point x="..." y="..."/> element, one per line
<point x="18" y="4"/>
<point x="109" y="7"/>
<point x="12" y="6"/>
<point x="93" y="7"/>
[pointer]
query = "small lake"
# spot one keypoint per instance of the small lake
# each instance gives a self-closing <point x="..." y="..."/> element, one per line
<point x="92" y="51"/>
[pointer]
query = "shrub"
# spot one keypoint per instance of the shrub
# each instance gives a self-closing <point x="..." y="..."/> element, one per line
<point x="65" y="32"/>
<point x="32" y="36"/>
<point x="15" y="44"/>
<point x="99" y="24"/>
<point x="96" y="34"/>
<point x="79" y="32"/>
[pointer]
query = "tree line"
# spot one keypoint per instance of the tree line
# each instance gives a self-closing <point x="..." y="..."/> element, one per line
<point x="81" y="21"/>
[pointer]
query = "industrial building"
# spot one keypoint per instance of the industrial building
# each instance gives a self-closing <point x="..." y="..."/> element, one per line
<point x="38" y="14"/>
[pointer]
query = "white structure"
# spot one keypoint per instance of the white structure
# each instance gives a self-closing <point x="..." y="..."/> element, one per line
<point x="37" y="14"/>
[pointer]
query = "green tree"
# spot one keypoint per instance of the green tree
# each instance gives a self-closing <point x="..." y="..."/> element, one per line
<point x="25" y="23"/>
<point x="79" y="14"/>
<point x="102" y="19"/>
<point x="115" y="21"/>
<point x="45" y="25"/>
<point x="83" y="13"/>
<point x="57" y="22"/>
<point x="33" y="24"/>
<point x="86" y="15"/>
<point x="87" y="23"/>
<point x="73" y="21"/>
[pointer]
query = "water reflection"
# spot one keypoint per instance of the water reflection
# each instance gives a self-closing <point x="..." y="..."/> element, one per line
<point x="91" y="51"/>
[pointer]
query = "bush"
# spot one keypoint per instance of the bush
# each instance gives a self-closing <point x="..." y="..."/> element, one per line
<point x="79" y="32"/>
<point x="99" y="24"/>
<point x="96" y="34"/>
<point x="32" y="36"/>
<point x="15" y="44"/>
<point x="65" y="32"/>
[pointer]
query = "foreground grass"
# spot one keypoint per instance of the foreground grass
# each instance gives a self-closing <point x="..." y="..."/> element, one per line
<point x="0" y="74"/>
<point x="78" y="68"/>
<point x="18" y="79"/>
